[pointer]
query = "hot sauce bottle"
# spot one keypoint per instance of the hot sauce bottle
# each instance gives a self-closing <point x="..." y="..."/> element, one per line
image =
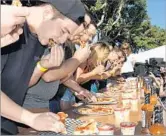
<point x="158" y="128"/>
<point x="153" y="97"/>
<point x="146" y="111"/>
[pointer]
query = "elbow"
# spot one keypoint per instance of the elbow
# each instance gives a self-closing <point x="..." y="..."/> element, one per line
<point x="47" y="78"/>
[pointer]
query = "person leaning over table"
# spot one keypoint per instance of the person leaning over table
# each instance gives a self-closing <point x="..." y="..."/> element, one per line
<point x="87" y="78"/>
<point x="18" y="62"/>
<point x="37" y="98"/>
<point x="114" y="55"/>
<point x="93" y="66"/>
<point x="39" y="93"/>
<point x="113" y="65"/>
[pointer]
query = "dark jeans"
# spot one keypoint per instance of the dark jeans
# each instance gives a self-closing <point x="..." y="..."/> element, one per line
<point x="54" y="105"/>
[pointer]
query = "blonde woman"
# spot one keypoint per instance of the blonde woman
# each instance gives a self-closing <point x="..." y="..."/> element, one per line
<point x="86" y="72"/>
<point x="125" y="47"/>
<point x="95" y="63"/>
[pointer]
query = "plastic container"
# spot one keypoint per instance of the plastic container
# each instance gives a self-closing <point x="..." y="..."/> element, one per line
<point x="106" y="129"/>
<point x="127" y="113"/>
<point x="119" y="113"/>
<point x="127" y="128"/>
<point x="126" y="102"/>
<point x="134" y="104"/>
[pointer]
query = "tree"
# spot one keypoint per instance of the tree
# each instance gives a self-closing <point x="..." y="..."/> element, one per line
<point x="125" y="20"/>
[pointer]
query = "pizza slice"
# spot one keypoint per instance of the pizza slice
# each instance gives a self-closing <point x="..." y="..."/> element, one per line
<point x="88" y="128"/>
<point x="63" y="117"/>
<point x="17" y="3"/>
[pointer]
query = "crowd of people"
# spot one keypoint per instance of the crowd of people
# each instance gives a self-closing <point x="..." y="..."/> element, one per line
<point x="37" y="73"/>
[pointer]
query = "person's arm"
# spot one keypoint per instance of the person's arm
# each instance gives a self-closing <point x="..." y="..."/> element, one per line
<point x="162" y="93"/>
<point x="104" y="75"/>
<point x="81" y="93"/>
<point x="155" y="79"/>
<point x="70" y="83"/>
<point x="82" y="77"/>
<point x="37" y="74"/>
<point x="12" y="111"/>
<point x="49" y="61"/>
<point x="68" y="66"/>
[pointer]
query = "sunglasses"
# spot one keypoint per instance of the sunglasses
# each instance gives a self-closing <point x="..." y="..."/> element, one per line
<point x="125" y="48"/>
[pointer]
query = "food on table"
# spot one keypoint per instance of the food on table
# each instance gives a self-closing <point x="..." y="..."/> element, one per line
<point x="62" y="116"/>
<point x="101" y="95"/>
<point x="16" y="3"/>
<point x="128" y="128"/>
<point x="106" y="129"/>
<point x="96" y="110"/>
<point x="77" y="104"/>
<point x="87" y="128"/>
<point x="99" y="106"/>
<point x="81" y="43"/>
<point x="105" y="99"/>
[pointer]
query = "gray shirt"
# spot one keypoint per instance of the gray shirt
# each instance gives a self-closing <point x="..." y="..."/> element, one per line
<point x="39" y="95"/>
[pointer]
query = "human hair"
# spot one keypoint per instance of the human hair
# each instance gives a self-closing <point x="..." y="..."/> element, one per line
<point x="99" y="52"/>
<point x="126" y="46"/>
<point x="119" y="52"/>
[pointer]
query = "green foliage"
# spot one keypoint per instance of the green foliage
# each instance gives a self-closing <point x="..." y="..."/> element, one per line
<point x="126" y="20"/>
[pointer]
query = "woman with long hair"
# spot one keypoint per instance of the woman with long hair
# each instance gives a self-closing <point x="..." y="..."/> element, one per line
<point x="86" y="72"/>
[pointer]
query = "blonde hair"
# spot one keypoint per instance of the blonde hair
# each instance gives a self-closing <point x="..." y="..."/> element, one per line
<point x="100" y="52"/>
<point x="127" y="46"/>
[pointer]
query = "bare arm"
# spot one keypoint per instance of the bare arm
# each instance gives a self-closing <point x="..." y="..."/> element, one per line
<point x="54" y="74"/>
<point x="73" y="85"/>
<point x="37" y="74"/>
<point x="67" y="67"/>
<point x="96" y="74"/>
<point x="14" y="112"/>
<point x="82" y="77"/>
<point x="81" y="93"/>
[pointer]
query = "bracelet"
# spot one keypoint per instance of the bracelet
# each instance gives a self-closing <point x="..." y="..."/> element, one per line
<point x="42" y="69"/>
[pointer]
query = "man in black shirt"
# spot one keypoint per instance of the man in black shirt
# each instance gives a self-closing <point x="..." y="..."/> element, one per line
<point x="18" y="63"/>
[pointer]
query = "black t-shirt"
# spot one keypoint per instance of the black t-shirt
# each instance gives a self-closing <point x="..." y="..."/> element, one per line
<point x="17" y="65"/>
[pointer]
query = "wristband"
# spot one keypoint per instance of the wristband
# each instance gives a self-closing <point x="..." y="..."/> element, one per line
<point x="42" y="69"/>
